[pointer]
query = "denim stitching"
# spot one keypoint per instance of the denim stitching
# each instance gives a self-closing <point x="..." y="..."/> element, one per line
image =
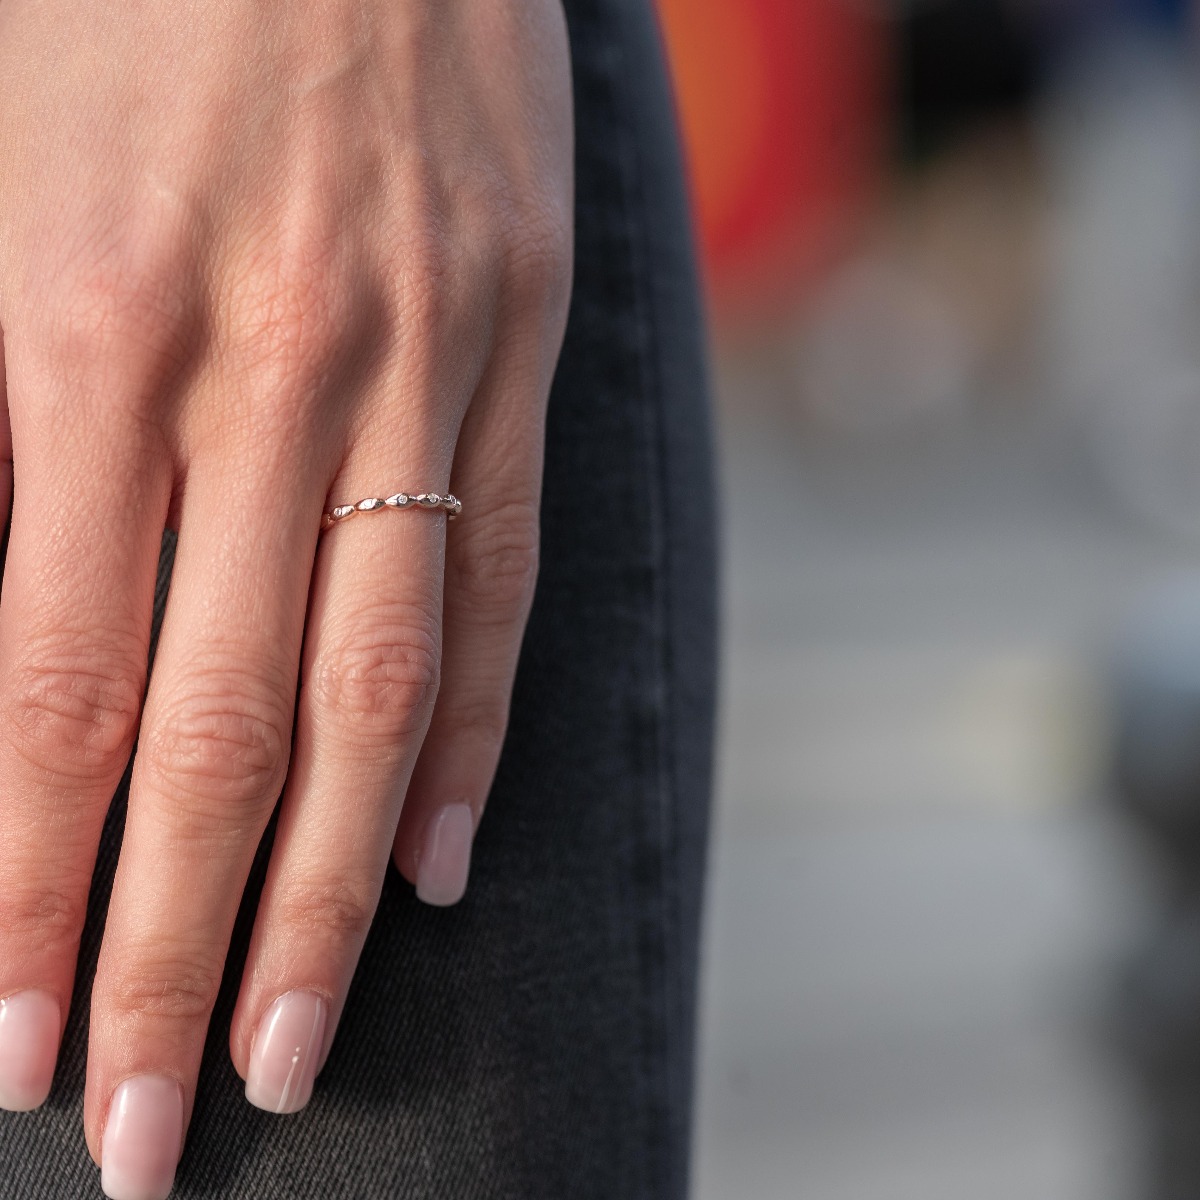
<point x="660" y="1166"/>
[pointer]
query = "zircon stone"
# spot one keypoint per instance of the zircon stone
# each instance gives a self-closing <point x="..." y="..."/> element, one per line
<point x="342" y="510"/>
<point x="399" y="500"/>
<point x="370" y="504"/>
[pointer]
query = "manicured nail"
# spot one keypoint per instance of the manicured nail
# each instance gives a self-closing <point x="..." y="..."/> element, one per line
<point x="29" y="1029"/>
<point x="143" y="1139"/>
<point x="286" y="1053"/>
<point x="446" y="856"/>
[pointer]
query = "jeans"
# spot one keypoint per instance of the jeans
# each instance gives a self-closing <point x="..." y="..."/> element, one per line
<point x="535" y="1041"/>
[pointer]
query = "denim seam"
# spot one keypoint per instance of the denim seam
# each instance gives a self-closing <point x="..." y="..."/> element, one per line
<point x="659" y="1165"/>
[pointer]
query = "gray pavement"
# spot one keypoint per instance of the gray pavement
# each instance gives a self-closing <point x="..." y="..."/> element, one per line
<point x="919" y="887"/>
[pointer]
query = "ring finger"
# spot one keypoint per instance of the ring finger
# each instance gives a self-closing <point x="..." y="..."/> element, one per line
<point x="369" y="676"/>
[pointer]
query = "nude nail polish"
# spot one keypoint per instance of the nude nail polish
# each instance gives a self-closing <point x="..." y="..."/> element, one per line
<point x="446" y="856"/>
<point x="142" y="1139"/>
<point x="287" y="1052"/>
<point x="30" y="1023"/>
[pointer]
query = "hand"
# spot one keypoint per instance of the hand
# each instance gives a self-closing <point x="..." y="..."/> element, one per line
<point x="258" y="259"/>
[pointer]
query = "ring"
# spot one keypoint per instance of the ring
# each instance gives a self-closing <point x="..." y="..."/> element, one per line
<point x="341" y="512"/>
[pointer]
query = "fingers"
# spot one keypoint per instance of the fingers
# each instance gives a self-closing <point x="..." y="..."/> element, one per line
<point x="368" y="682"/>
<point x="211" y="758"/>
<point x="74" y="636"/>
<point x="491" y="571"/>
<point x="377" y="661"/>
<point x="369" y="676"/>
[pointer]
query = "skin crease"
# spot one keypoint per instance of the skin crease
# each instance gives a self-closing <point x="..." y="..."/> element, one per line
<point x="258" y="258"/>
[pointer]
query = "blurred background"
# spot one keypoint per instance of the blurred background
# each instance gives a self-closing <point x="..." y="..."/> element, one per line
<point x="952" y="253"/>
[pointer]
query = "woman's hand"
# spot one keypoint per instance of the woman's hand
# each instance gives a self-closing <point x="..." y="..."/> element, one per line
<point x="255" y="260"/>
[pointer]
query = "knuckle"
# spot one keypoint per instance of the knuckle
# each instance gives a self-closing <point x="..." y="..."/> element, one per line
<point x="495" y="567"/>
<point x="426" y="264"/>
<point x="124" y="317"/>
<point x="225" y="745"/>
<point x="289" y="330"/>
<point x="380" y="677"/>
<point x="340" y="911"/>
<point x="538" y="258"/>
<point x="427" y="248"/>
<point x="70" y="719"/>
<point x="290" y="313"/>
<point x="180" y="987"/>
<point x="52" y="917"/>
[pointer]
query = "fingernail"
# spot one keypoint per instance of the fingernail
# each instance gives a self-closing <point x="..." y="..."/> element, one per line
<point x="143" y="1139"/>
<point x="286" y="1052"/>
<point x="446" y="856"/>
<point x="29" y="1029"/>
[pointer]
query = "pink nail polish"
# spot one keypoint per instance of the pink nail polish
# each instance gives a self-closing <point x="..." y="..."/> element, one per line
<point x="143" y="1139"/>
<point x="446" y="856"/>
<point x="29" y="1028"/>
<point x="286" y="1053"/>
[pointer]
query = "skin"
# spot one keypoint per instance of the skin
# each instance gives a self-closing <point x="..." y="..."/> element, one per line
<point x="257" y="259"/>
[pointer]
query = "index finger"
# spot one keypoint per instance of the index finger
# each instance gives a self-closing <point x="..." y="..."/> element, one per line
<point x="74" y="639"/>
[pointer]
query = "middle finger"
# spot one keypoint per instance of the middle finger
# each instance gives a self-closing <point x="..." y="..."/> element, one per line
<point x="210" y="764"/>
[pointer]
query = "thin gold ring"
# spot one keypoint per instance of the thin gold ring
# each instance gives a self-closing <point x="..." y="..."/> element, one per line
<point x="342" y="512"/>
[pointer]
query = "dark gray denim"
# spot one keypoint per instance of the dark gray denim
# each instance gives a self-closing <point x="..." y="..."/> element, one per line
<point x="534" y="1042"/>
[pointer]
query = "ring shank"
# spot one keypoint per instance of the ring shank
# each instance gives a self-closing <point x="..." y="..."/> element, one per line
<point x="430" y="500"/>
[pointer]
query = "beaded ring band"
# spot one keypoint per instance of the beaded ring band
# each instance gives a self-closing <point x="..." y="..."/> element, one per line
<point x="342" y="512"/>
